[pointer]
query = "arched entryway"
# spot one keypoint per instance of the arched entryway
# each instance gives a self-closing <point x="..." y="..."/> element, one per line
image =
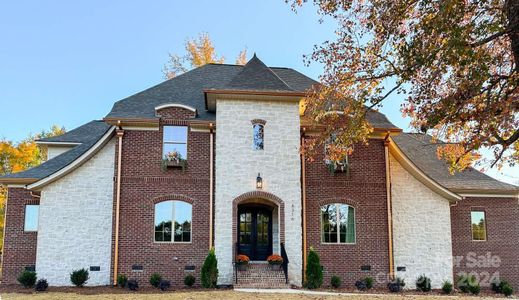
<point x="258" y="225"/>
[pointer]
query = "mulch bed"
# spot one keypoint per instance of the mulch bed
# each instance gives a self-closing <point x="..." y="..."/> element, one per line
<point x="96" y="290"/>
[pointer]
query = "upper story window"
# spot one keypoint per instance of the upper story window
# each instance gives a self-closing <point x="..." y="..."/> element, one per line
<point x="479" y="226"/>
<point x="174" y="143"/>
<point x="334" y="156"/>
<point x="31" y="217"/>
<point x="337" y="224"/>
<point x="258" y="135"/>
<point x="173" y="222"/>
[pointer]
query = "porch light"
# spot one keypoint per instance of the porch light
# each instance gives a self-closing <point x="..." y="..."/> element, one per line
<point x="259" y="182"/>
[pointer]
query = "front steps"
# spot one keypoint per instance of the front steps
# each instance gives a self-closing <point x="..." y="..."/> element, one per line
<point x="260" y="275"/>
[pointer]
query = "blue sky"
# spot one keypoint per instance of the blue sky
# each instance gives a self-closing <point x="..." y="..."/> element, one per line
<point x="67" y="62"/>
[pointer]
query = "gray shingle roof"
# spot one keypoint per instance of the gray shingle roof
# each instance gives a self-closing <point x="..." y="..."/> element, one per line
<point x="187" y="89"/>
<point x="93" y="131"/>
<point x="420" y="149"/>
<point x="256" y="76"/>
<point x="81" y="134"/>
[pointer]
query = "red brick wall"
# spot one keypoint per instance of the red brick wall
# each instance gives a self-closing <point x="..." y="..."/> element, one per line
<point x="145" y="183"/>
<point x="365" y="189"/>
<point x="19" y="246"/>
<point x="502" y="221"/>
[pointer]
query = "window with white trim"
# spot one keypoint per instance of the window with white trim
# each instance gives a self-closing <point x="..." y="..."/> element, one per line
<point x="174" y="142"/>
<point x="258" y="136"/>
<point x="337" y="224"/>
<point x="173" y="222"/>
<point x="479" y="225"/>
<point x="31" y="217"/>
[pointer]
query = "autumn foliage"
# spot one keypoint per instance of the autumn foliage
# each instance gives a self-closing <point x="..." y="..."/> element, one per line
<point x="455" y="65"/>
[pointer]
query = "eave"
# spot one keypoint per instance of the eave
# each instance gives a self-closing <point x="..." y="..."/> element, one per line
<point x="417" y="173"/>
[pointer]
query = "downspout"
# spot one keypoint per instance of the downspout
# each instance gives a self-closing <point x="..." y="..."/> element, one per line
<point x="120" y="134"/>
<point x="303" y="192"/>
<point x="389" y="208"/>
<point x="5" y="222"/>
<point x="211" y="183"/>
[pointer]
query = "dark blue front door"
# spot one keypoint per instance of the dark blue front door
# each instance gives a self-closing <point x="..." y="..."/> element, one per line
<point x="255" y="232"/>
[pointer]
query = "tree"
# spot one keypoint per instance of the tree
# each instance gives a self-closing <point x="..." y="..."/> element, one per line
<point x="209" y="273"/>
<point x="16" y="157"/>
<point x="456" y="61"/>
<point x="199" y="52"/>
<point x="314" y="270"/>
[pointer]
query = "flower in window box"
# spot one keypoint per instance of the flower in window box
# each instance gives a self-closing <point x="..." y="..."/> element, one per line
<point x="275" y="259"/>
<point x="174" y="159"/>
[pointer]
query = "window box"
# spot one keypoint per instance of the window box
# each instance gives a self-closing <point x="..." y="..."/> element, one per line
<point x="338" y="166"/>
<point x="180" y="163"/>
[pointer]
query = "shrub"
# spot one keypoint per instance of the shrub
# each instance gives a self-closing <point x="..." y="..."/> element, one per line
<point x="335" y="281"/>
<point x="79" y="277"/>
<point x="121" y="280"/>
<point x="496" y="286"/>
<point x="396" y="285"/>
<point x="423" y="283"/>
<point x="447" y="287"/>
<point x="27" y="279"/>
<point x="155" y="279"/>
<point x="132" y="284"/>
<point x="474" y="289"/>
<point x="314" y="271"/>
<point x="507" y="289"/>
<point x="41" y="285"/>
<point x="164" y="285"/>
<point x="361" y="285"/>
<point x="369" y="282"/>
<point x="189" y="280"/>
<point x="468" y="283"/>
<point x="209" y="273"/>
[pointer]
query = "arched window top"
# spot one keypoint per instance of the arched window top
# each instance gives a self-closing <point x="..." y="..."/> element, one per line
<point x="337" y="224"/>
<point x="173" y="220"/>
<point x="258" y="135"/>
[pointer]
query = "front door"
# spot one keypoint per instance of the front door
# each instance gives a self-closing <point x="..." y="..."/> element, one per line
<point x="255" y="232"/>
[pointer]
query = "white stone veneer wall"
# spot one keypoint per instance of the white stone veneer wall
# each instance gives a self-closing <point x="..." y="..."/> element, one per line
<point x="421" y="229"/>
<point x="75" y="222"/>
<point x="237" y="166"/>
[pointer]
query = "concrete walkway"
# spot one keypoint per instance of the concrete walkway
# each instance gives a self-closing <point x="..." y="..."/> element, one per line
<point x="303" y="292"/>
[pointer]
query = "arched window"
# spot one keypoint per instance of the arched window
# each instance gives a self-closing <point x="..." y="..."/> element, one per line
<point x="258" y="136"/>
<point x="337" y="224"/>
<point x="173" y="222"/>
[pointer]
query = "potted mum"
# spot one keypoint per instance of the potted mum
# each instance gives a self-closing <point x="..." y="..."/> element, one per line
<point x="174" y="159"/>
<point x="275" y="261"/>
<point x="242" y="261"/>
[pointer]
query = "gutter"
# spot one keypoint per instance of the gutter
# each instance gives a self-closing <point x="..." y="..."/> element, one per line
<point x="389" y="207"/>
<point x="211" y="184"/>
<point x="120" y="134"/>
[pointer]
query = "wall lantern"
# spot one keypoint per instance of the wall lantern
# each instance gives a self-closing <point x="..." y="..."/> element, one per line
<point x="259" y="182"/>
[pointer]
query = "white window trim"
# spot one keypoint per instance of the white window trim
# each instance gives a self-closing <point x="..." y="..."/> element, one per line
<point x="253" y="135"/>
<point x="472" y="229"/>
<point x="338" y="225"/>
<point x="173" y="224"/>
<point x="173" y="142"/>
<point x="25" y="217"/>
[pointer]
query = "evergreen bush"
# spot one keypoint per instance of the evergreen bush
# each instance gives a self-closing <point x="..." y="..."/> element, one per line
<point x="79" y="277"/>
<point x="209" y="274"/>
<point x="27" y="279"/>
<point x="314" y="270"/>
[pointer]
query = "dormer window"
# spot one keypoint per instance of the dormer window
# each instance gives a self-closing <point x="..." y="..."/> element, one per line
<point x="258" y="134"/>
<point x="174" y="145"/>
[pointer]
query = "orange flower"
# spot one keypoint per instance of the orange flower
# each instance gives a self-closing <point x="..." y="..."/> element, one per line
<point x="242" y="259"/>
<point x="275" y="259"/>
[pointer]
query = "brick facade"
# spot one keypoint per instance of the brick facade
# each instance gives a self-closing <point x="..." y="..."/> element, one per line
<point x="502" y="224"/>
<point x="365" y="189"/>
<point x="19" y="246"/>
<point x="145" y="183"/>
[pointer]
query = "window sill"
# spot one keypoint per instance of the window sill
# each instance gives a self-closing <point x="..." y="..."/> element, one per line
<point x="175" y="164"/>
